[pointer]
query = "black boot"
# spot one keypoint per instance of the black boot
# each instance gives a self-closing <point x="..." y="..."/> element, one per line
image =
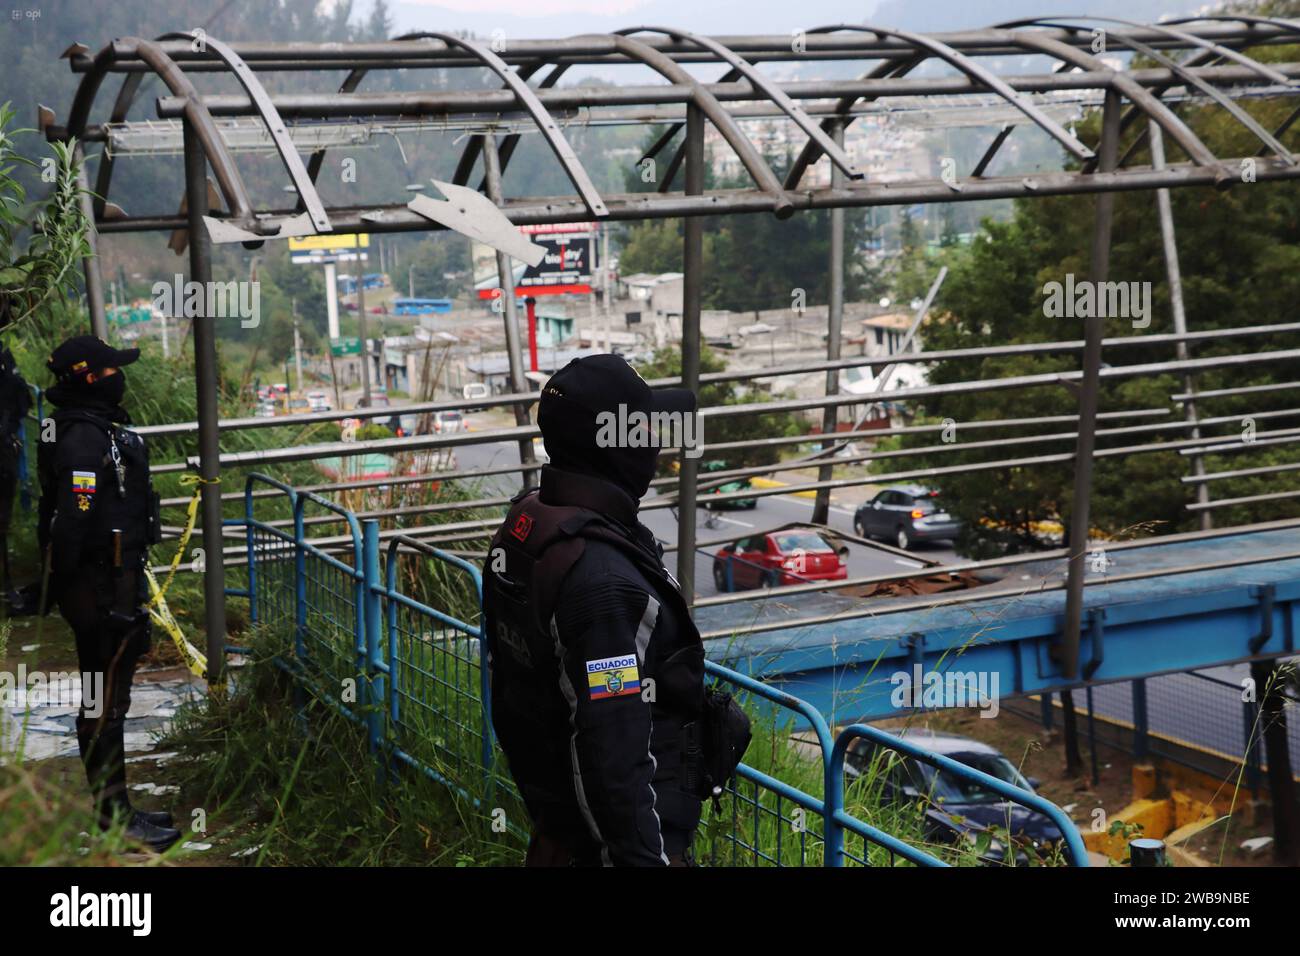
<point x="152" y="835"/>
<point x="159" y="818"/>
<point x="102" y="752"/>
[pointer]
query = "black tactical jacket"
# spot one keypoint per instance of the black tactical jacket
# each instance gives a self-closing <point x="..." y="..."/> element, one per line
<point x="596" y="669"/>
<point x="88" y="491"/>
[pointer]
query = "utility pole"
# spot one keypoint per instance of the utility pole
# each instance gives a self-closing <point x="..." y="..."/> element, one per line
<point x="297" y="342"/>
<point x="604" y="280"/>
<point x="332" y="299"/>
<point x="692" y="277"/>
<point x="506" y="278"/>
<point x="1174" y="272"/>
<point x="361" y="331"/>
<point x="834" y="331"/>
<point x="410" y="281"/>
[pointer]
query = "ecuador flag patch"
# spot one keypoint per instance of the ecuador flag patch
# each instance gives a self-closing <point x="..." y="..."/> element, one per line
<point x="83" y="482"/>
<point x="613" y="677"/>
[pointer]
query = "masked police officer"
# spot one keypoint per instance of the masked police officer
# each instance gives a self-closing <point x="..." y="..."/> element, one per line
<point x="597" y="669"/>
<point x="98" y="516"/>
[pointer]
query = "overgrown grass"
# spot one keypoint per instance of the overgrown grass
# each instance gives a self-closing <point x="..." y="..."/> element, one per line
<point x="294" y="782"/>
<point x="44" y="824"/>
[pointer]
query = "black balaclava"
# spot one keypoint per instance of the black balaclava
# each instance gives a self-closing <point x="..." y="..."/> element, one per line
<point x="574" y="449"/>
<point x="572" y="416"/>
<point x="104" y="394"/>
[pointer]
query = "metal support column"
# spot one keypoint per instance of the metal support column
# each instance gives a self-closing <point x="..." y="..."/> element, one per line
<point x="692" y="281"/>
<point x="1092" y="736"/>
<point x="90" y="264"/>
<point x="364" y="333"/>
<point x="1141" y="725"/>
<point x="1108" y="151"/>
<point x="205" y="373"/>
<point x="834" y="329"/>
<point x="1165" y="208"/>
<point x="506" y="277"/>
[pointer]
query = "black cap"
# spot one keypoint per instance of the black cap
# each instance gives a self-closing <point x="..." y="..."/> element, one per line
<point x="578" y="396"/>
<point x="601" y="383"/>
<point x="82" y="354"/>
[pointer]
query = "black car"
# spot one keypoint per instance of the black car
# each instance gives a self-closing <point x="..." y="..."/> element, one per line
<point x="957" y="809"/>
<point x="905" y="515"/>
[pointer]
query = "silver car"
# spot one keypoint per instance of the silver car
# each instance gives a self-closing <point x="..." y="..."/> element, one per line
<point x="905" y="515"/>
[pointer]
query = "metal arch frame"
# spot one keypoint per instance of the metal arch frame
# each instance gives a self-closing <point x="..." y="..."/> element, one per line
<point x="317" y="159"/>
<point x="269" y="115"/>
<point x="126" y="95"/>
<point x="901" y="66"/>
<point x="1144" y="101"/>
<point x="1069" y="57"/>
<point x="1189" y="38"/>
<point x="979" y="74"/>
<point x="170" y="72"/>
<point x="810" y="154"/>
<point x="474" y="147"/>
<point x="1197" y="59"/>
<point x="898" y="49"/>
<point x="1240" y="18"/>
<point x="576" y="172"/>
<point x="1127" y="120"/>
<point x="774" y="93"/>
<point x="1226" y="102"/>
<point x="713" y="110"/>
<point x="303" y="180"/>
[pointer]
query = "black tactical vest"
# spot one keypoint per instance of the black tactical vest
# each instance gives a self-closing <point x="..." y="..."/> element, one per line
<point x="541" y="542"/>
<point x="126" y="499"/>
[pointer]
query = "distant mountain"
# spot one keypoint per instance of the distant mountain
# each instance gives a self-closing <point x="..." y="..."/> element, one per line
<point x="968" y="14"/>
<point x="747" y="16"/>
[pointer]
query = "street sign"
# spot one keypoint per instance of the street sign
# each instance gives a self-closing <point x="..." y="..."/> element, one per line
<point x="124" y="314"/>
<point x="347" y="345"/>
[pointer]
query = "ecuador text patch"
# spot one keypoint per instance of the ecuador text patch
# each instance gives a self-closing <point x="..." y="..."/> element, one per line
<point x="613" y="677"/>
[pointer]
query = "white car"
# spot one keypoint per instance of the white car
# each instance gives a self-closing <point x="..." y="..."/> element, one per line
<point x="448" y="423"/>
<point x="319" y="401"/>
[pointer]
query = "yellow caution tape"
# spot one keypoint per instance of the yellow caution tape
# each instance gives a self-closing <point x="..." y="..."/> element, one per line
<point x="195" y="660"/>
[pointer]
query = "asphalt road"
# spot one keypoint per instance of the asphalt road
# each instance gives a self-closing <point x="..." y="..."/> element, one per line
<point x="772" y="511"/>
<point x="1182" y="706"/>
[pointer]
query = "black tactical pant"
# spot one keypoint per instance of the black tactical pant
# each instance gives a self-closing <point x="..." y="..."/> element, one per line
<point x="8" y="489"/>
<point x="112" y="633"/>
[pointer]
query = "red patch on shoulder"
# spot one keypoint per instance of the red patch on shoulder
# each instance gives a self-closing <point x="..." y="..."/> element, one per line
<point x="523" y="525"/>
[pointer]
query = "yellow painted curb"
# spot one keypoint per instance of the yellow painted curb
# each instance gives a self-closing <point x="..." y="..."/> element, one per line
<point x="761" y="482"/>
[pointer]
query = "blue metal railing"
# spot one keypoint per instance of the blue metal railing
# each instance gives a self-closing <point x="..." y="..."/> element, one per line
<point x="422" y="680"/>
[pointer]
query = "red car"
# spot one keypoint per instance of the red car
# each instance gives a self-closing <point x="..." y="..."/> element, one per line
<point x="777" y="558"/>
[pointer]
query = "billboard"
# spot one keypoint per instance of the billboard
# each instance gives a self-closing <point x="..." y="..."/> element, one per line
<point x="566" y="267"/>
<point x="347" y="247"/>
